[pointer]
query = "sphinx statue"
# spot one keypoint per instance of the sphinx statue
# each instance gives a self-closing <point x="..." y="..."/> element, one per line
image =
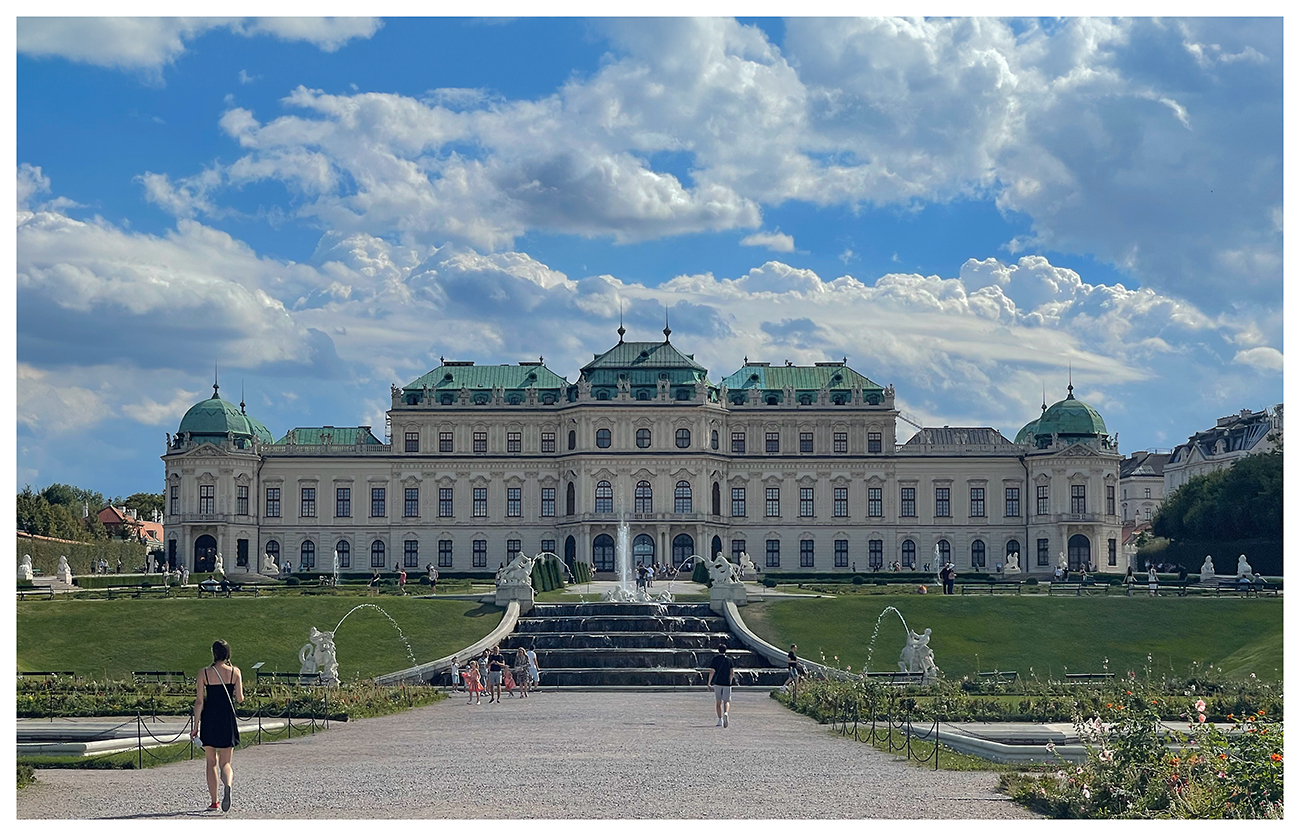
<point x="25" y="572"/>
<point x="1207" y="569"/>
<point x="64" y="573"/>
<point x="1243" y="568"/>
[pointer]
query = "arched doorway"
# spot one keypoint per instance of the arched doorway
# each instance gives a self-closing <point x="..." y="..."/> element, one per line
<point x="716" y="546"/>
<point x="205" y="553"/>
<point x="571" y="554"/>
<point x="1079" y="553"/>
<point x="602" y="553"/>
<point x="683" y="547"/>
<point x="643" y="550"/>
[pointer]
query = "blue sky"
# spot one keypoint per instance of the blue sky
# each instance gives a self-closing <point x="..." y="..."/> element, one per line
<point x="965" y="208"/>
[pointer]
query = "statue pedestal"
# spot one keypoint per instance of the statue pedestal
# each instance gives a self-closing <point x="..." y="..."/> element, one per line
<point x="521" y="592"/>
<point x="721" y="593"/>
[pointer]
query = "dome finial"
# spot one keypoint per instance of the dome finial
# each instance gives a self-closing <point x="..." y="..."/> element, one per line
<point x="621" y="329"/>
<point x="241" y="397"/>
<point x="667" y="330"/>
<point x="214" y="380"/>
<point x="1069" y="390"/>
<point x="1044" y="396"/>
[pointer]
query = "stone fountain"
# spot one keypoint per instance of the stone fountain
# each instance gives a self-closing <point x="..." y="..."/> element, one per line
<point x="626" y="592"/>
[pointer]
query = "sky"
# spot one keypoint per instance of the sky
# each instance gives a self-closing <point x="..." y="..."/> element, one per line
<point x="975" y="211"/>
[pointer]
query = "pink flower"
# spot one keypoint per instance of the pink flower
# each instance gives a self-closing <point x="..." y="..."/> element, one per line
<point x="1200" y="718"/>
<point x="1086" y="793"/>
<point x="1200" y="706"/>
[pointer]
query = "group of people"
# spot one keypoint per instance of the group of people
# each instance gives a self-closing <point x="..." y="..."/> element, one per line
<point x="493" y="672"/>
<point x="948" y="577"/>
<point x="100" y="567"/>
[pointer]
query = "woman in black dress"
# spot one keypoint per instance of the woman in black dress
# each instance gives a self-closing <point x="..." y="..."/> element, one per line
<point x="220" y="688"/>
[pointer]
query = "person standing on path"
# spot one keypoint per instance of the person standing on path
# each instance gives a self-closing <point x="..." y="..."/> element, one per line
<point x="433" y="579"/>
<point x="792" y="663"/>
<point x="522" y="675"/>
<point x="401" y="580"/>
<point x="474" y="684"/>
<point x="534" y="672"/>
<point x="218" y="688"/>
<point x="720" y="680"/>
<point x="1153" y="582"/>
<point x="496" y="666"/>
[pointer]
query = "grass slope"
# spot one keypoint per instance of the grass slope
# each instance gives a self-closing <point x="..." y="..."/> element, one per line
<point x="113" y="638"/>
<point x="1047" y="634"/>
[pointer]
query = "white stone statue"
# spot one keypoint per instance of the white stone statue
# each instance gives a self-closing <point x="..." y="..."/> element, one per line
<point x="319" y="655"/>
<point x="218" y="568"/>
<point x="268" y="565"/>
<point x="1062" y="563"/>
<point x="1207" y="569"/>
<point x="747" y="567"/>
<point x="937" y="564"/>
<point x="917" y="657"/>
<point x="25" y="572"/>
<point x="1013" y="564"/>
<point x="185" y="576"/>
<point x="1243" y="568"/>
<point x="517" y="571"/>
<point x="64" y="572"/>
<point x="721" y="570"/>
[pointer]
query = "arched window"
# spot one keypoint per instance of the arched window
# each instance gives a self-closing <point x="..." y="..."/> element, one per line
<point x="683" y="547"/>
<point x="717" y="500"/>
<point x="602" y="553"/>
<point x="715" y="547"/>
<point x="683" y="438"/>
<point x="573" y="439"/>
<point x="377" y="557"/>
<point x="643" y="550"/>
<point x="805" y="399"/>
<point x="643" y="395"/>
<point x="682" y="498"/>
<point x="945" y="551"/>
<point x="273" y="549"/>
<point x="570" y="500"/>
<point x="602" y="438"/>
<point x="604" y="497"/>
<point x="344" y="550"/>
<point x="643" y="438"/>
<point x="713" y="440"/>
<point x="977" y="554"/>
<point x="570" y="549"/>
<point x="644" y="498"/>
<point x="909" y="554"/>
<point x="307" y="555"/>
<point x="1013" y="547"/>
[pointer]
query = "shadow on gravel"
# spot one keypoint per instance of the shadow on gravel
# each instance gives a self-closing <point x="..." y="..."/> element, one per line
<point x="201" y="814"/>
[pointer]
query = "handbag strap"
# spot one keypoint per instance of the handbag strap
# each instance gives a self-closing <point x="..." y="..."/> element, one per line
<point x="226" y="688"/>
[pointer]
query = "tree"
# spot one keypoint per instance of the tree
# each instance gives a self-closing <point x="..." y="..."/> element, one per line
<point x="144" y="503"/>
<point x="1239" y="503"/>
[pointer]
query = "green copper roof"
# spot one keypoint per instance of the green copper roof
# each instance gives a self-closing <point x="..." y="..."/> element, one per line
<point x="807" y="381"/>
<point x="345" y="436"/>
<point x="1026" y="434"/>
<point x="449" y="378"/>
<point x="643" y="365"/>
<point x="645" y="356"/>
<point x="216" y="417"/>
<point x="1070" y="418"/>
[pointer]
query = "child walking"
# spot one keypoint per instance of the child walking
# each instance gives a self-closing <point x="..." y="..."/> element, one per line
<point x="474" y="683"/>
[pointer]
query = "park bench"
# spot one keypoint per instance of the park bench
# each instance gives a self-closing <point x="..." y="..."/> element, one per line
<point x="894" y="677"/>
<point x="290" y="678"/>
<point x="996" y="676"/>
<point x="48" y="592"/>
<point x="47" y="674"/>
<point x="214" y="589"/>
<point x="159" y="676"/>
<point x="1088" y="677"/>
<point x="992" y="587"/>
<point x="1077" y="588"/>
<point x="1245" y="589"/>
<point x="1179" y="588"/>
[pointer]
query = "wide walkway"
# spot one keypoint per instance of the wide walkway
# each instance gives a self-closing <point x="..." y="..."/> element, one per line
<point x="553" y="755"/>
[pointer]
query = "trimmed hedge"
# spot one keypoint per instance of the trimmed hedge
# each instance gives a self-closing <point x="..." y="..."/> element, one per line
<point x="1264" y="556"/>
<point x="547" y="576"/>
<point x="700" y="574"/>
<point x="46" y="553"/>
<point x="581" y="571"/>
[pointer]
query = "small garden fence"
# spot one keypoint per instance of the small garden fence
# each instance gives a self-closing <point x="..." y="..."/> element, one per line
<point x="849" y="719"/>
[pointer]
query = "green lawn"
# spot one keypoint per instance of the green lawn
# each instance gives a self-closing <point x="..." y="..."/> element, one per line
<point x="1048" y="634"/>
<point x="101" y="638"/>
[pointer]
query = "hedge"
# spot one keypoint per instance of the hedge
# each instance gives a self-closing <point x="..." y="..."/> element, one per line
<point x="700" y="574"/>
<point x="45" y="554"/>
<point x="547" y="576"/>
<point x="1264" y="556"/>
<point x="581" y="571"/>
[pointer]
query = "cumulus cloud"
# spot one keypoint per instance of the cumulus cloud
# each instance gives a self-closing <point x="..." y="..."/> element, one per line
<point x="149" y="44"/>
<point x="1262" y="357"/>
<point x="776" y="241"/>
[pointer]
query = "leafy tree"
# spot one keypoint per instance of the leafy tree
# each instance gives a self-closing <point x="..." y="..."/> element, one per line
<point x="1242" y="502"/>
<point x="144" y="503"/>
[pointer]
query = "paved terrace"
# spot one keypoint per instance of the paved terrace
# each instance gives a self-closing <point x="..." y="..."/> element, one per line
<point x="554" y="755"/>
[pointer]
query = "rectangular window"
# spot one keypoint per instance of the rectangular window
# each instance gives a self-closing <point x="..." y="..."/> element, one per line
<point x="1110" y="500"/>
<point x="479" y="557"/>
<point x="805" y="502"/>
<point x="737" y="442"/>
<point x="308" y="502"/>
<point x="411" y="554"/>
<point x="548" y="502"/>
<point x="514" y="444"/>
<point x="737" y="502"/>
<point x="342" y="502"/>
<point x="841" y="554"/>
<point x="513" y="547"/>
<point x="773" y="502"/>
<point x="1013" y="502"/>
<point x="176" y="499"/>
<point x="941" y="504"/>
<point x="241" y="500"/>
<point x="840" y="442"/>
<point x="378" y="555"/>
<point x="446" y="508"/>
<point x="378" y="502"/>
<point x="413" y="442"/>
<point x="873" y="442"/>
<point x="875" y="502"/>
<point x="773" y="554"/>
<point x="444" y="442"/>
<point x="805" y="442"/>
<point x="273" y="502"/>
<point x="548" y="546"/>
<point x="444" y="554"/>
<point x="907" y="502"/>
<point x="875" y="554"/>
<point x="514" y="502"/>
<point x="773" y="442"/>
<point x="1042" y="499"/>
<point x="412" y="504"/>
<point x="841" y="502"/>
<point x="480" y="442"/>
<point x="548" y="442"/>
<point x="344" y="548"/>
<point x="977" y="502"/>
<point x="480" y="502"/>
<point x="805" y="554"/>
<point x="1078" y="499"/>
<point x="1110" y="552"/>
<point x="207" y="499"/>
<point x="1043" y="556"/>
<point x="737" y="549"/>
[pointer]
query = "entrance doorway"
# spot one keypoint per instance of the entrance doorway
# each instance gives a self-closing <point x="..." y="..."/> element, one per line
<point x="643" y="550"/>
<point x="683" y="547"/>
<point x="205" y="553"/>
<point x="602" y="553"/>
<point x="1079" y="553"/>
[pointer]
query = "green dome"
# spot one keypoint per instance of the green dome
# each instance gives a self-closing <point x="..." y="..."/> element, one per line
<point x="1068" y="419"/>
<point x="214" y="418"/>
<point x="1026" y="434"/>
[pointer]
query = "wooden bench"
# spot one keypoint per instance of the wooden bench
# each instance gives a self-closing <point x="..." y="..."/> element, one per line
<point x="1088" y="677"/>
<point x="47" y="674"/>
<point x="996" y="676"/>
<point x="159" y="676"/>
<point x="992" y="587"/>
<point x="48" y="592"/>
<point x="291" y="678"/>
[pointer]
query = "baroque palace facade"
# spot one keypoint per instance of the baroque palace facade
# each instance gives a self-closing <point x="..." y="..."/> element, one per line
<point x="796" y="465"/>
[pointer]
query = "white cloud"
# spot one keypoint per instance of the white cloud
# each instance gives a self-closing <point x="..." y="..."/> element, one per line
<point x="149" y="44"/>
<point x="776" y="241"/>
<point x="49" y="405"/>
<point x="1262" y="357"/>
<point x="169" y="413"/>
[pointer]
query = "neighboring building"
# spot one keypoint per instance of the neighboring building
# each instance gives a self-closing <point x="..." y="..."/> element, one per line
<point x="1219" y="447"/>
<point x="796" y="465"/>
<point x="123" y="523"/>
<point x="1141" y="487"/>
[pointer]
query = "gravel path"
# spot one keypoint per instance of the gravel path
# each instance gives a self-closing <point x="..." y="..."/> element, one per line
<point x="564" y="755"/>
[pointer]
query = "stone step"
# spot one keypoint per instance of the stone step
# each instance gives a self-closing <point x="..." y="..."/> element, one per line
<point x="615" y="657"/>
<point x="616" y="677"/>
<point x="556" y="641"/>
<point x="621" y="624"/>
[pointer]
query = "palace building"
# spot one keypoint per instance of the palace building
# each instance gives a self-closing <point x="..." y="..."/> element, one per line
<point x="796" y="465"/>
